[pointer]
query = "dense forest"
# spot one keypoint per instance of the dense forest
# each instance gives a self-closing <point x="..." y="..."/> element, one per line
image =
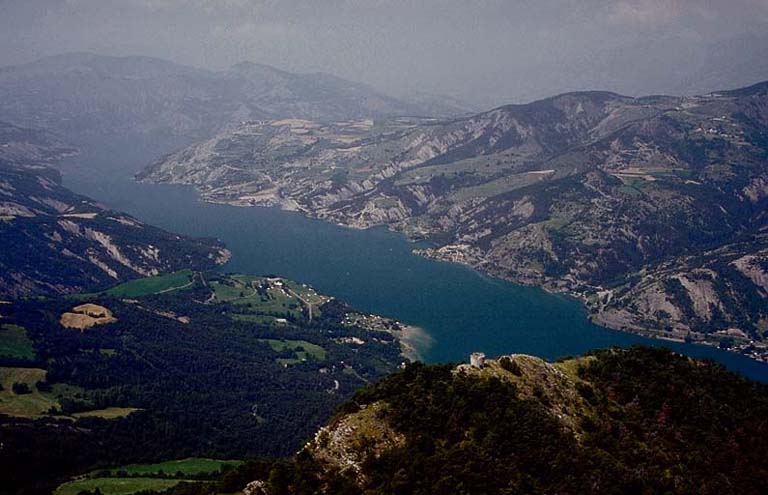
<point x="648" y="421"/>
<point x="193" y="378"/>
<point x="233" y="367"/>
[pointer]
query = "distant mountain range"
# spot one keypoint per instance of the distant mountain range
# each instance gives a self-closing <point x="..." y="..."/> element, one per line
<point x="652" y="210"/>
<point x="56" y="241"/>
<point x="84" y="94"/>
<point x="678" y="65"/>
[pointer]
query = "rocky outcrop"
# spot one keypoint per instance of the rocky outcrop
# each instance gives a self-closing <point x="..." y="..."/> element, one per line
<point x="607" y="423"/>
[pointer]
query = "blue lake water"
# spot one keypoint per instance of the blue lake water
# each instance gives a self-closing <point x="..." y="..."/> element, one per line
<point x="374" y="270"/>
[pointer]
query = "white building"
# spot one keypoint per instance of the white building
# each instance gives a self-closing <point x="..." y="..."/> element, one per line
<point x="477" y="359"/>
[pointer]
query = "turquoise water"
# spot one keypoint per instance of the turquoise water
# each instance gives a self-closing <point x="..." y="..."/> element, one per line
<point x="459" y="309"/>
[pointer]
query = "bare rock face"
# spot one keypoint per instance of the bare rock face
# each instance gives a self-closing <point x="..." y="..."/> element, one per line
<point x="612" y="199"/>
<point x="755" y="267"/>
<point x="257" y="487"/>
<point x="85" y="316"/>
<point x="348" y="443"/>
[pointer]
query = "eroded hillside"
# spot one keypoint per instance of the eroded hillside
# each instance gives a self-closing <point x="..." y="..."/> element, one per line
<point x="652" y="210"/>
<point x="56" y="241"/>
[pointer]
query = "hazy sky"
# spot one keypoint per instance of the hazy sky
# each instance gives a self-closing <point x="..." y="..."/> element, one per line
<point x="480" y="50"/>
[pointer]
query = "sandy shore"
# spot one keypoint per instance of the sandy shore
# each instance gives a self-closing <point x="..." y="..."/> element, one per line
<point x="414" y="341"/>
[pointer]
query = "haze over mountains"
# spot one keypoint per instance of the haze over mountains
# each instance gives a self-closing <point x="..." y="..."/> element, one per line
<point x="150" y="95"/>
<point x="489" y="53"/>
<point x="674" y="65"/>
<point x="85" y="94"/>
<point x="65" y="242"/>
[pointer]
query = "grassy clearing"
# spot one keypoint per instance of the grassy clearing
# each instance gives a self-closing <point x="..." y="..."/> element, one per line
<point x="36" y="404"/>
<point x="302" y="349"/>
<point x="190" y="466"/>
<point x="29" y="405"/>
<point x="15" y="343"/>
<point x="479" y="167"/>
<point x="266" y="297"/>
<point x="559" y="221"/>
<point x="630" y="191"/>
<point x="115" y="486"/>
<point x="240" y="290"/>
<point x="106" y="413"/>
<point x="67" y="390"/>
<point x="134" y="478"/>
<point x="279" y="302"/>
<point x="308" y="348"/>
<point x="571" y="366"/>
<point x="499" y="186"/>
<point x="152" y="285"/>
<point x="309" y="294"/>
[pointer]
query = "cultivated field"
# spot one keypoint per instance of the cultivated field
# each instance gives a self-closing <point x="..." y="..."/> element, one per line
<point x="153" y="285"/>
<point x="35" y="403"/>
<point x="86" y="316"/>
<point x="302" y="349"/>
<point x="190" y="466"/>
<point x="115" y="486"/>
<point x="134" y="478"/>
<point x="262" y="297"/>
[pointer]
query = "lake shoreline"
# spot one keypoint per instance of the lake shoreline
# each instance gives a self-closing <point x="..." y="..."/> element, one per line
<point x="461" y="308"/>
<point x="477" y="263"/>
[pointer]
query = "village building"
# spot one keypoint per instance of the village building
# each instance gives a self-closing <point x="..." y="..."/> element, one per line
<point x="477" y="359"/>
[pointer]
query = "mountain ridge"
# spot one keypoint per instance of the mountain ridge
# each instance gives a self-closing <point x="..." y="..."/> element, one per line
<point x="83" y="94"/>
<point x="617" y="421"/>
<point x="580" y="193"/>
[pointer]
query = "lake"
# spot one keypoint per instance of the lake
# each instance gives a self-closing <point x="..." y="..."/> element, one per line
<point x="459" y="310"/>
